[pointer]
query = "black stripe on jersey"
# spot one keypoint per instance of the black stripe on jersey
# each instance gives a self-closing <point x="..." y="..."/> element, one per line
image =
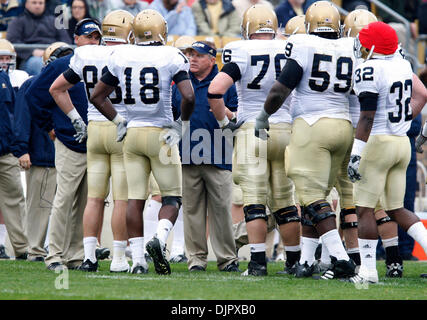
<point x="291" y="74"/>
<point x="180" y="76"/>
<point x="109" y="79"/>
<point x="232" y="70"/>
<point x="71" y="76"/>
<point x="368" y="101"/>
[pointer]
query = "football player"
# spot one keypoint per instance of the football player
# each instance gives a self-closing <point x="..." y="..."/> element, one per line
<point x="144" y="73"/>
<point x="8" y="63"/>
<point x="254" y="64"/>
<point x="104" y="153"/>
<point x="319" y="67"/>
<point x="381" y="149"/>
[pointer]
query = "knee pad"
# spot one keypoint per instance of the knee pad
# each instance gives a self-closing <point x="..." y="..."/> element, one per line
<point x="286" y="215"/>
<point x="383" y="220"/>
<point x="347" y="225"/>
<point x="172" y="201"/>
<point x="312" y="211"/>
<point x="255" y="211"/>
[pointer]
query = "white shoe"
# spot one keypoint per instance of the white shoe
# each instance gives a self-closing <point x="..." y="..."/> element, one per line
<point x="119" y="265"/>
<point x="365" y="275"/>
<point x="128" y="252"/>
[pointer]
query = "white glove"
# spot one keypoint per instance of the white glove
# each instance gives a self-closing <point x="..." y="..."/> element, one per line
<point x="121" y="124"/>
<point x="227" y="124"/>
<point x="419" y="141"/>
<point x="262" y="125"/>
<point x="78" y="124"/>
<point x="176" y="130"/>
<point x="354" y="163"/>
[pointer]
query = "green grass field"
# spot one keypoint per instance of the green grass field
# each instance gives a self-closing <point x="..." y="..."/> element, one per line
<point x="22" y="280"/>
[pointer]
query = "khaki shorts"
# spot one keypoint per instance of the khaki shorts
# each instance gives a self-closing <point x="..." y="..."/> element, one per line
<point x="259" y="165"/>
<point x="314" y="156"/>
<point x="105" y="159"/>
<point x="154" y="187"/>
<point x="144" y="151"/>
<point x="385" y="159"/>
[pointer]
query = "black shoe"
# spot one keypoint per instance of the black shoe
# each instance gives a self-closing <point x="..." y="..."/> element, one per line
<point x="197" y="269"/>
<point x="55" y="266"/>
<point x="178" y="259"/>
<point x="255" y="269"/>
<point x="158" y="254"/>
<point x="423" y="275"/>
<point x="291" y="270"/>
<point x="23" y="256"/>
<point x="88" y="266"/>
<point x="3" y="254"/>
<point x="304" y="270"/>
<point x="394" y="270"/>
<point x="139" y="269"/>
<point x="232" y="267"/>
<point x="340" y="269"/>
<point x="102" y="253"/>
<point x="147" y="258"/>
<point x="37" y="259"/>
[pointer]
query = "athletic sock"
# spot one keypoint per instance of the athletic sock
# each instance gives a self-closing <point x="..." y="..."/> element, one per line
<point x="178" y="243"/>
<point x="308" y="248"/>
<point x="293" y="254"/>
<point x="332" y="241"/>
<point x="119" y="249"/>
<point x="325" y="257"/>
<point x="3" y="233"/>
<point x="137" y="249"/>
<point x="151" y="218"/>
<point x="368" y="250"/>
<point x="89" y="244"/>
<point x="258" y="253"/>
<point x="163" y="229"/>
<point x="391" y="247"/>
<point x="354" y="254"/>
<point x="419" y="233"/>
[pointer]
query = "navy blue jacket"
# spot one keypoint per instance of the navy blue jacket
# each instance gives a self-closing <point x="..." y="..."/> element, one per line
<point x="7" y="102"/>
<point x="29" y="137"/>
<point x="202" y="118"/>
<point x="45" y="109"/>
<point x="285" y="12"/>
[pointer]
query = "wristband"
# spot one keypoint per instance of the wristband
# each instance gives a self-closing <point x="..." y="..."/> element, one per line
<point x="117" y="119"/>
<point x="358" y="146"/>
<point x="73" y="115"/>
<point x="263" y="115"/>
<point x="222" y="123"/>
<point x="214" y="96"/>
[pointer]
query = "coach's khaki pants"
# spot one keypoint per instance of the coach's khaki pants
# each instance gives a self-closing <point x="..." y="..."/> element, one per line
<point x="11" y="203"/>
<point x="66" y="222"/>
<point x="41" y="187"/>
<point x="207" y="191"/>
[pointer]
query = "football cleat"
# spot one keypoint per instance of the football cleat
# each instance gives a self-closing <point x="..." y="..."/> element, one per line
<point x="88" y="266"/>
<point x="119" y="265"/>
<point x="394" y="270"/>
<point x="3" y="254"/>
<point x="365" y="275"/>
<point x="181" y="258"/>
<point x="258" y="18"/>
<point x="255" y="269"/>
<point x="102" y="253"/>
<point x="56" y="266"/>
<point x="232" y="267"/>
<point x="157" y="251"/>
<point x="288" y="269"/>
<point x="304" y="270"/>
<point x="139" y="269"/>
<point x="340" y="269"/>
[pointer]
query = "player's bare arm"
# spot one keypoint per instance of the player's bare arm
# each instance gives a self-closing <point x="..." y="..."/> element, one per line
<point x="188" y="99"/>
<point x="59" y="92"/>
<point x="218" y="87"/>
<point x="419" y="96"/>
<point x="101" y="101"/>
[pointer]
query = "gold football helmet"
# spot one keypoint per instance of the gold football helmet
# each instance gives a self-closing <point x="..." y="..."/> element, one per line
<point x="258" y="18"/>
<point x="356" y="20"/>
<point x="184" y="42"/>
<point x="295" y="25"/>
<point x="7" y="49"/>
<point x="55" y="51"/>
<point x="117" y="27"/>
<point x="149" y="26"/>
<point x="321" y="17"/>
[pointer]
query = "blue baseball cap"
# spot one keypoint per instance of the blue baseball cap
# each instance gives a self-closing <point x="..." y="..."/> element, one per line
<point x="87" y="27"/>
<point x="203" y="48"/>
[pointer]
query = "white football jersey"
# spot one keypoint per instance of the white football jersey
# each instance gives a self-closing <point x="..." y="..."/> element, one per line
<point x="17" y="78"/>
<point x="326" y="82"/>
<point x="391" y="78"/>
<point x="145" y="74"/>
<point x="260" y="63"/>
<point x="89" y="63"/>
<point x="354" y="100"/>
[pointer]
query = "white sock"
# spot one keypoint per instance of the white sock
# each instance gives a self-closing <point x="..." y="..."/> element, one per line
<point x="3" y="233"/>
<point x="308" y="249"/>
<point x="137" y="249"/>
<point x="276" y="237"/>
<point x="368" y="251"/>
<point x="257" y="247"/>
<point x="419" y="233"/>
<point x="89" y="244"/>
<point x="390" y="242"/>
<point x="178" y="243"/>
<point x="163" y="229"/>
<point x="332" y="241"/>
<point x="119" y="248"/>
<point x="151" y="218"/>
<point x="325" y="257"/>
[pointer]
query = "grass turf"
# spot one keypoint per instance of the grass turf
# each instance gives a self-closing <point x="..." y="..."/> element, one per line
<point x="23" y="280"/>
